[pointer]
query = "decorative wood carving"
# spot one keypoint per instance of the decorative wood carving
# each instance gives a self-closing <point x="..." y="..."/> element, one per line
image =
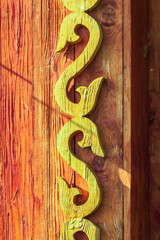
<point x="79" y="122"/>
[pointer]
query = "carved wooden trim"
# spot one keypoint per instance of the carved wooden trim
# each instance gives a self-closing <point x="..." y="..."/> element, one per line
<point x="79" y="122"/>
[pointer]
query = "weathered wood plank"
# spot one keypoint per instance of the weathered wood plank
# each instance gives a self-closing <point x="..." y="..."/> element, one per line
<point x="108" y="117"/>
<point x="79" y="122"/>
<point x="154" y="117"/>
<point x="31" y="119"/>
<point x="59" y="62"/>
<point x="16" y="116"/>
<point x="139" y="123"/>
<point x="125" y="173"/>
<point x="41" y="120"/>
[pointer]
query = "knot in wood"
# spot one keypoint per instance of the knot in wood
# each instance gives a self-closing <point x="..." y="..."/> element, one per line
<point x="108" y="16"/>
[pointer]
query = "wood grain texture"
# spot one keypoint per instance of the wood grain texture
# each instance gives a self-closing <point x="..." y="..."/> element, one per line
<point x="77" y="225"/>
<point x="154" y="117"/>
<point x="28" y="178"/>
<point x="90" y="139"/>
<point x="16" y="119"/>
<point x="139" y="123"/>
<point x="126" y="171"/>
<point x="79" y="123"/>
<point x="31" y="119"/>
<point x="108" y="116"/>
<point x="68" y="36"/>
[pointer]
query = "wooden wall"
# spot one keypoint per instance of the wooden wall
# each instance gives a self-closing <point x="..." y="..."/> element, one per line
<point x="154" y="116"/>
<point x="140" y="228"/>
<point x="30" y="119"/>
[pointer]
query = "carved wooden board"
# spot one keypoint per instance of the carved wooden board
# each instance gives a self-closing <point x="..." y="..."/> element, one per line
<point x="31" y="119"/>
<point x="91" y="138"/>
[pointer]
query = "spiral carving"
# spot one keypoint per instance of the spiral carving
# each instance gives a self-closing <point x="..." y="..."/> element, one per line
<point x="79" y="122"/>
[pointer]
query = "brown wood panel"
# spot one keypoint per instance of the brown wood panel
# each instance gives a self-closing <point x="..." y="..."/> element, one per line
<point x="154" y="117"/>
<point x="112" y="116"/>
<point x="125" y="173"/>
<point x="31" y="119"/>
<point x="139" y="122"/>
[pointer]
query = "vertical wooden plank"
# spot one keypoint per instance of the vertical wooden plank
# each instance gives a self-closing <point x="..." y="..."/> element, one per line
<point x="29" y="164"/>
<point x="112" y="115"/>
<point x="2" y="194"/>
<point x="154" y="117"/>
<point x="48" y="119"/>
<point x="31" y="119"/>
<point x="139" y="123"/>
<point x="125" y="173"/>
<point x="41" y="120"/>
<point x="16" y="117"/>
<point x="39" y="124"/>
<point x="58" y="63"/>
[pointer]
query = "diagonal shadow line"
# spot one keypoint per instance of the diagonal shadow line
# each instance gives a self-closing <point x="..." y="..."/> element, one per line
<point x="36" y="99"/>
<point x="46" y="105"/>
<point x="13" y="72"/>
<point x="53" y="109"/>
<point x="63" y="114"/>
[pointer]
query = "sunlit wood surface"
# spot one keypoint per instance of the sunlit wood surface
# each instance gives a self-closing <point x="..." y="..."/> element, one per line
<point x="30" y="119"/>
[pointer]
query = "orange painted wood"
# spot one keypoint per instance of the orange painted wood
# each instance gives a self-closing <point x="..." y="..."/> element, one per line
<point x="154" y="118"/>
<point x="16" y="120"/>
<point x="30" y="120"/>
<point x="48" y="66"/>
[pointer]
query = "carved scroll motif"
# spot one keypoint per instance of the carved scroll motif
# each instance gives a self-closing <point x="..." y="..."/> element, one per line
<point x="79" y="122"/>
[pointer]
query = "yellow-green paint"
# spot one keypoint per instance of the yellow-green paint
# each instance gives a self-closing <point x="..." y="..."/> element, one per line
<point x="80" y="5"/>
<point x="79" y="224"/>
<point x="79" y="123"/>
<point x="68" y="35"/>
<point x="90" y="139"/>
